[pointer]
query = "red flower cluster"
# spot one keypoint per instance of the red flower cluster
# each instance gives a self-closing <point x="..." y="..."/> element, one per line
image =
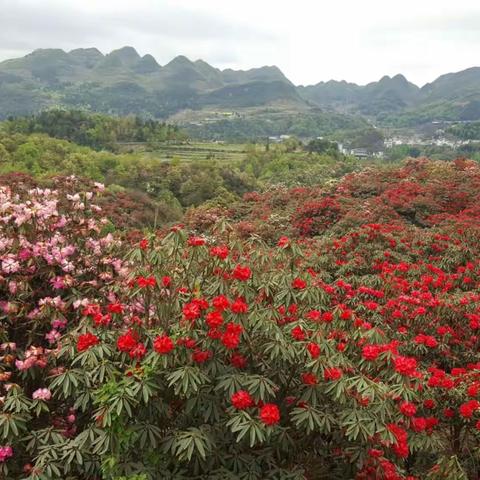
<point x="269" y="414"/>
<point x="467" y="409"/>
<point x="163" y="344"/>
<point x="231" y="337"/>
<point x="196" y="241"/>
<point x="241" y="272"/>
<point x="128" y="343"/>
<point x="242" y="400"/>
<point x="86" y="341"/>
<point x="144" y="282"/>
<point x="332" y="373"/>
<point x="371" y="352"/>
<point x="309" y="378"/>
<point x="313" y="349"/>
<point x="220" y="252"/>
<point x="408" y="409"/>
<point x="405" y="366"/>
<point x="299" y="284"/>
<point x="401" y="437"/>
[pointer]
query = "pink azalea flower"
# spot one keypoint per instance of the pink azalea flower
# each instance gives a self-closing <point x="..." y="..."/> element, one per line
<point x="6" y="452"/>
<point x="42" y="394"/>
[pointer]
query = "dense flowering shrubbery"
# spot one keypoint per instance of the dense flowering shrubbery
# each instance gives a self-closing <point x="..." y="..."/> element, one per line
<point x="344" y="356"/>
<point x="422" y="193"/>
<point x="126" y="209"/>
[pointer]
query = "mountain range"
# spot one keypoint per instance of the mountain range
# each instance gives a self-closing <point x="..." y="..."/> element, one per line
<point x="123" y="82"/>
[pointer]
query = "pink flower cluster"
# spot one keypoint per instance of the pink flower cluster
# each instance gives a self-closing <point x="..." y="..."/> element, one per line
<point x="42" y="394"/>
<point x="5" y="453"/>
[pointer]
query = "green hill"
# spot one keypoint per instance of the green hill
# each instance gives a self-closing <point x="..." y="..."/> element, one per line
<point x="124" y="82"/>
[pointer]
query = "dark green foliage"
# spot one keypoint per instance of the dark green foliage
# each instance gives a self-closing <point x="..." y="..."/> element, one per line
<point x="94" y="130"/>
<point x="173" y="183"/>
<point x="274" y="123"/>
<point x="322" y="146"/>
<point x="466" y="131"/>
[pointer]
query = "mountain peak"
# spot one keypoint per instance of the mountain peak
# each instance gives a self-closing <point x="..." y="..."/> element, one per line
<point x="384" y="79"/>
<point x="147" y="64"/>
<point x="86" y="51"/>
<point x="179" y="60"/>
<point x="401" y="78"/>
<point x="87" y="56"/>
<point x="47" y="52"/>
<point x="127" y="55"/>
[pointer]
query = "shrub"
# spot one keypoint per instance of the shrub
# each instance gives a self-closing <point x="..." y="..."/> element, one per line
<point x="354" y="356"/>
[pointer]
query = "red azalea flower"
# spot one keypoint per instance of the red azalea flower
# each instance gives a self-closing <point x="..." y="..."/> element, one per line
<point x="166" y="281"/>
<point x="448" y="412"/>
<point x="242" y="272"/>
<point x="283" y="242"/>
<point x="138" y="351"/>
<point x="346" y="314"/>
<point x="214" y="334"/>
<point x="270" y="414"/>
<point x="405" y="365"/>
<point x="201" y="302"/>
<point x="408" y="409"/>
<point x="99" y="319"/>
<point x="473" y="390"/>
<point x="242" y="400"/>
<point x="298" y="333"/>
<point x="429" y="403"/>
<point x="375" y="453"/>
<point x="144" y="282"/>
<point x="196" y="241"/>
<point x="91" y="310"/>
<point x="220" y="252"/>
<point x="238" y="360"/>
<point x="327" y="317"/>
<point x="314" y="315"/>
<point x="86" y="341"/>
<point x="189" y="343"/>
<point x="231" y="337"/>
<point x="232" y="327"/>
<point x="309" y="378"/>
<point x="221" y="302"/>
<point x="371" y="352"/>
<point x="127" y="341"/>
<point x="239" y="306"/>
<point x="115" y="308"/>
<point x="419" y="424"/>
<point x="163" y="344"/>
<point x="230" y="340"/>
<point x="467" y="409"/>
<point x="332" y="373"/>
<point x="191" y="311"/>
<point x="201" y="356"/>
<point x="214" y="319"/>
<point x="299" y="284"/>
<point x="313" y="349"/>
<point x="401" y="445"/>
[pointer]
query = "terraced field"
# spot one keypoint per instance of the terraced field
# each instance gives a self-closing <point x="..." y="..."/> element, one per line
<point x="197" y="151"/>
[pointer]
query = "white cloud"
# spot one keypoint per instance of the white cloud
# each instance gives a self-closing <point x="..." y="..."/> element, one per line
<point x="309" y="40"/>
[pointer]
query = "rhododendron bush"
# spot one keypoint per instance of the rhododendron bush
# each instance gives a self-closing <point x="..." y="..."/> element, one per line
<point x="211" y="356"/>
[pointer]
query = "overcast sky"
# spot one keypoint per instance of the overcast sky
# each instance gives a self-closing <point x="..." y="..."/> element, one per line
<point x="310" y="40"/>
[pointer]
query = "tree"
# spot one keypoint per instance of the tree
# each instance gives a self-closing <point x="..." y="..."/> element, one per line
<point x="323" y="146"/>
